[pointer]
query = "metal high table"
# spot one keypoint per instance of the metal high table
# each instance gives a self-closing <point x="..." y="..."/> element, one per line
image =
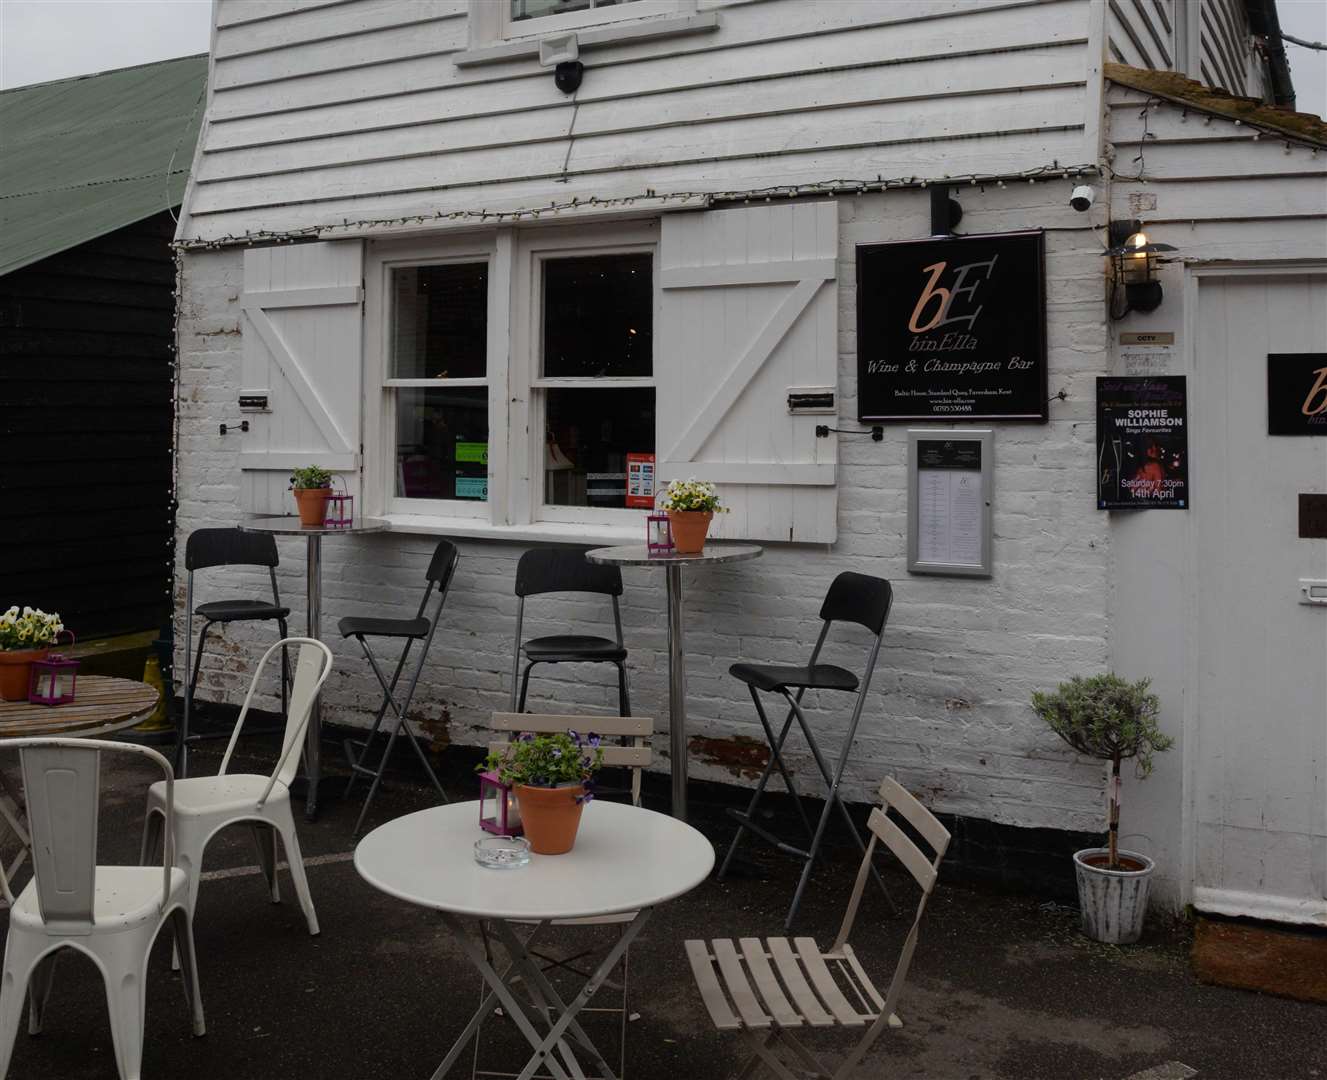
<point x="290" y="526"/>
<point x="638" y="555"/>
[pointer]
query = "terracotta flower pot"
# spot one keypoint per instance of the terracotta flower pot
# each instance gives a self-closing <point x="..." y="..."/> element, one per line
<point x="550" y="816"/>
<point x="16" y="672"/>
<point x="689" y="530"/>
<point x="312" y="503"/>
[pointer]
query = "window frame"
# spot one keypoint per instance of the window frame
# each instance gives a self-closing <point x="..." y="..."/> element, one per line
<point x="513" y="30"/>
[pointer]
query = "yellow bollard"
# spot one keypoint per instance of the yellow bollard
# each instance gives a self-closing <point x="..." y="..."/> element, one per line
<point x="159" y="720"/>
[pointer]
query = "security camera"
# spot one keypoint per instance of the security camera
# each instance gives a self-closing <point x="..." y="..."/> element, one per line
<point x="1083" y="197"/>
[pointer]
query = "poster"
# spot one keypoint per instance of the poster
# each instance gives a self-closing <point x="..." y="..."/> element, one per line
<point x="950" y="502"/>
<point x="1142" y="443"/>
<point x="952" y="328"/>
<point x="1297" y="393"/>
<point x="640" y="480"/>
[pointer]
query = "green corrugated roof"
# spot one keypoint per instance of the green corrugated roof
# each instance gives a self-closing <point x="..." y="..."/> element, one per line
<point x="82" y="157"/>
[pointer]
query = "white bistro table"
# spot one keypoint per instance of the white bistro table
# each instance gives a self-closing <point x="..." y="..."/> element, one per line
<point x="290" y="526"/>
<point x="627" y="860"/>
<point x="638" y="555"/>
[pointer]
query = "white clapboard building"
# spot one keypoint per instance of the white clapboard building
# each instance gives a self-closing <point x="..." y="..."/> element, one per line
<point x="481" y="287"/>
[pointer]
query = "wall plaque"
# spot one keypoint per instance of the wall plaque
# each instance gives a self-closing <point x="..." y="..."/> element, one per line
<point x="952" y="328"/>
<point x="1312" y="516"/>
<point x="1142" y="443"/>
<point x="1297" y="393"/>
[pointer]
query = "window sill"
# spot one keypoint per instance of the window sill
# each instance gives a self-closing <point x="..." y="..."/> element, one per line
<point x="547" y="532"/>
<point x="594" y="37"/>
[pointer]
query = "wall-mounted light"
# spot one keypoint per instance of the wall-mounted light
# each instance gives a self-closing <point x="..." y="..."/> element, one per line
<point x="1133" y="265"/>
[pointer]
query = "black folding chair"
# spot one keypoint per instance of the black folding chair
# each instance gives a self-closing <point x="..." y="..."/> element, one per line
<point x="207" y="548"/>
<point x="566" y="570"/>
<point x="854" y="598"/>
<point x="441" y="569"/>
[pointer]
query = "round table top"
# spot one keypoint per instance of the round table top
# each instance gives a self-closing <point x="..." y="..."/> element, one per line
<point x="639" y="555"/>
<point x="290" y="526"/>
<point x="101" y="705"/>
<point x="625" y="858"/>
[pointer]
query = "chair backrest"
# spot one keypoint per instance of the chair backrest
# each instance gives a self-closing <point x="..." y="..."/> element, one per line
<point x="229" y="547"/>
<point x="858" y="598"/>
<point x="443" y="564"/>
<point x="311" y="671"/>
<point x="564" y="569"/>
<point x="62" y="786"/>
<point x="924" y="869"/>
<point x="635" y="755"/>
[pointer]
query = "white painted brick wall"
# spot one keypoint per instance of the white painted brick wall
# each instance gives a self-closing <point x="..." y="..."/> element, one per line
<point x="948" y="713"/>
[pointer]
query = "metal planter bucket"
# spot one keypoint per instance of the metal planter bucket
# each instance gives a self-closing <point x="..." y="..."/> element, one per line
<point x="1113" y="902"/>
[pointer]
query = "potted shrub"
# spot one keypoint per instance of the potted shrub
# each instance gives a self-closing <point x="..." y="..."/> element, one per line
<point x="691" y="505"/>
<point x="311" y="486"/>
<point x="25" y="635"/>
<point x="551" y="776"/>
<point x="1108" y="718"/>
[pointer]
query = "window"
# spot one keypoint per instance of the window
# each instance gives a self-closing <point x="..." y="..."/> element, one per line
<point x="543" y="16"/>
<point x="534" y="9"/>
<point x="502" y="30"/>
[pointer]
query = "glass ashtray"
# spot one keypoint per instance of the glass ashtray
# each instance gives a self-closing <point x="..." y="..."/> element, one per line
<point x="502" y="852"/>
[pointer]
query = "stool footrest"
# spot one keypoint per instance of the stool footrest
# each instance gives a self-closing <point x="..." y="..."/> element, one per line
<point x="787" y="848"/>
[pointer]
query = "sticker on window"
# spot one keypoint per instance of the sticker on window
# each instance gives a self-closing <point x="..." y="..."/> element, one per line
<point x="475" y="453"/>
<point x="472" y="487"/>
<point x="640" y="480"/>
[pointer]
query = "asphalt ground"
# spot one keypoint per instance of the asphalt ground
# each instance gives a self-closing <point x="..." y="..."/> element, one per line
<point x="1002" y="986"/>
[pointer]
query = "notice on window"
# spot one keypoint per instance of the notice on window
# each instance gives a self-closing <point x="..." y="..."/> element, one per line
<point x="472" y="487"/>
<point x="640" y="480"/>
<point x="950" y="502"/>
<point x="473" y="453"/>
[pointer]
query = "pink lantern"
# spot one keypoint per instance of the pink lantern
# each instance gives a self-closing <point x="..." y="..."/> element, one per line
<point x="658" y="535"/>
<point x="499" y="812"/>
<point x="340" y="509"/>
<point x="52" y="681"/>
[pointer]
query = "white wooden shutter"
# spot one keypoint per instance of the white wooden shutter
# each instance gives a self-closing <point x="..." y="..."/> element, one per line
<point x="750" y="312"/>
<point x="303" y="347"/>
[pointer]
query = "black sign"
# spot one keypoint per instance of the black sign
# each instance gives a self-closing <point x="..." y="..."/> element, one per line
<point x="949" y="454"/>
<point x="952" y="328"/>
<point x="1312" y="516"/>
<point x="1297" y="393"/>
<point x="1142" y="443"/>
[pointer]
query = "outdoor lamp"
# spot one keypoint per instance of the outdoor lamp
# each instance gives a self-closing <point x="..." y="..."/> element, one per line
<point x="499" y="812"/>
<point x="340" y="509"/>
<point x="52" y="680"/>
<point x="1134" y="268"/>
<point x="658" y="535"/>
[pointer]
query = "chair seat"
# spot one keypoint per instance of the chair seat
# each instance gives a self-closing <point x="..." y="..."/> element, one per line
<point x="737" y="982"/>
<point x="779" y="676"/>
<point x="231" y="793"/>
<point x="237" y="610"/>
<point x="125" y="895"/>
<point x="369" y="627"/>
<point x="574" y="647"/>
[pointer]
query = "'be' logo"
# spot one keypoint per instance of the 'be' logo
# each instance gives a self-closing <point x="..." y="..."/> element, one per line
<point x="1319" y="393"/>
<point x="944" y="298"/>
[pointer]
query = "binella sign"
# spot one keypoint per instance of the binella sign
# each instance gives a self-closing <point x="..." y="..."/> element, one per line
<point x="952" y="328"/>
<point x="1297" y="394"/>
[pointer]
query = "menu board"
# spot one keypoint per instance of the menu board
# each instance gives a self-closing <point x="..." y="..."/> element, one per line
<point x="949" y="482"/>
<point x="952" y="328"/>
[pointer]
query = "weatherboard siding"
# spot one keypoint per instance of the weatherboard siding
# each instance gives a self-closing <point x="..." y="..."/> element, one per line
<point x="322" y="114"/>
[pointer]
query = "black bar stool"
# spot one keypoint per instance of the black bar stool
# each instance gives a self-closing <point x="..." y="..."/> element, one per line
<point x="207" y="548"/>
<point x="566" y="570"/>
<point x="441" y="569"/>
<point x="854" y="598"/>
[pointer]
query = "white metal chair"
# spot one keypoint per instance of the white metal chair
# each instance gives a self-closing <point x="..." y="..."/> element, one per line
<point x="741" y="991"/>
<point x="111" y="914"/>
<point x="204" y="805"/>
<point x="634" y="754"/>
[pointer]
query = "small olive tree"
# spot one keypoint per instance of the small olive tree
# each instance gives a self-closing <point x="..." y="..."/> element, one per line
<point x="1105" y="717"/>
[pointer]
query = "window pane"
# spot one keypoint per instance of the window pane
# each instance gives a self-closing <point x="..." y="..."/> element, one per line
<point x="589" y="434"/>
<point x="442" y="443"/>
<point x="598" y="316"/>
<point x="440" y="316"/>
<point x="533" y="9"/>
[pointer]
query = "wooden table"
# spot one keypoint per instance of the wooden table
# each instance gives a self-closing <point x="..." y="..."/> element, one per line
<point x="102" y="705"/>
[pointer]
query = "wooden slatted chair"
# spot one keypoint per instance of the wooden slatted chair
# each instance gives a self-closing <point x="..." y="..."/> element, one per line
<point x="635" y="754"/>
<point x="769" y="988"/>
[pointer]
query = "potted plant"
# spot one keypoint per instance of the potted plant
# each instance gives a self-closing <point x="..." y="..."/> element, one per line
<point x="551" y="776"/>
<point x="1108" y="718"/>
<point x="25" y="635"/>
<point x="691" y="505"/>
<point x="311" y="486"/>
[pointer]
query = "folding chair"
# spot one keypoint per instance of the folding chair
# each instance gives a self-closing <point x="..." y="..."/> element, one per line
<point x="441" y="569"/>
<point x="854" y="598"/>
<point x="207" y="548"/>
<point x="634" y="754"/>
<point x="819" y="989"/>
<point x="566" y="570"/>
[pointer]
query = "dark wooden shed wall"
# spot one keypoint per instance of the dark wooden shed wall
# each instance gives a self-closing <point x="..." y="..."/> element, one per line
<point x="86" y="408"/>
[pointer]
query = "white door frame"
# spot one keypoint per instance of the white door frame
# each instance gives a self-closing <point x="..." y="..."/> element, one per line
<point x="1194" y="273"/>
